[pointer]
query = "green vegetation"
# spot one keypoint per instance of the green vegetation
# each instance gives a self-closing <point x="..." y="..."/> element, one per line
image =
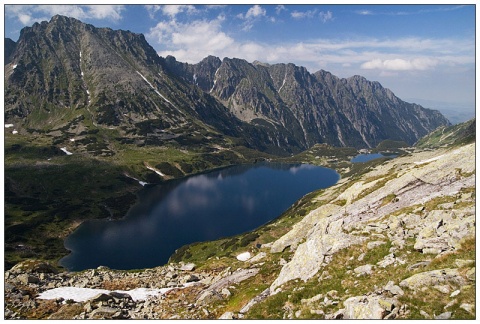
<point x="391" y="146"/>
<point x="337" y="279"/>
<point x="455" y="135"/>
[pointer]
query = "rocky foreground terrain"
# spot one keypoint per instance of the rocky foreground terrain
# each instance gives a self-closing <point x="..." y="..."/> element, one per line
<point x="397" y="242"/>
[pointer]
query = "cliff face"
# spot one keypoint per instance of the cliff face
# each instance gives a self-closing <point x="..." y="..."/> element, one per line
<point x="310" y="108"/>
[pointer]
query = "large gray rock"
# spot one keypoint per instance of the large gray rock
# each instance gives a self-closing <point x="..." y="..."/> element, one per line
<point x="188" y="267"/>
<point x="300" y="229"/>
<point x="208" y="297"/>
<point x="393" y="289"/>
<point x="27" y="279"/>
<point x="106" y="312"/>
<point x="227" y="315"/>
<point x="368" y="307"/>
<point x="433" y="278"/>
<point x="327" y="239"/>
<point x="363" y="270"/>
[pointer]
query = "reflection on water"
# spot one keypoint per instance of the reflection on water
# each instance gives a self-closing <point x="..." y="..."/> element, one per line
<point x="198" y="208"/>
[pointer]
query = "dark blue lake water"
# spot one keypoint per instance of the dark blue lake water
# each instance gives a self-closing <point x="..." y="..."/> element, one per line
<point x="197" y="208"/>
<point x="369" y="157"/>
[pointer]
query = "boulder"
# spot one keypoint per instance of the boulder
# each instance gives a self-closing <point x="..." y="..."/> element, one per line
<point x="188" y="267"/>
<point x="420" y="264"/>
<point x="393" y="289"/>
<point x="299" y="230"/>
<point x="470" y="274"/>
<point x="258" y="257"/>
<point x="27" y="279"/>
<point x="326" y="240"/>
<point x="208" y="297"/>
<point x="444" y="316"/>
<point x="387" y="260"/>
<point x="368" y="307"/>
<point x="444" y="289"/>
<point x="244" y="256"/>
<point x="226" y="293"/>
<point x="100" y="298"/>
<point x="105" y="312"/>
<point x="363" y="270"/>
<point x="467" y="307"/>
<point x="433" y="278"/>
<point x="227" y="315"/>
<point x="432" y="245"/>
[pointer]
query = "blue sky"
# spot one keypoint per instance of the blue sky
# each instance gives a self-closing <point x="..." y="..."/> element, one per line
<point x="424" y="52"/>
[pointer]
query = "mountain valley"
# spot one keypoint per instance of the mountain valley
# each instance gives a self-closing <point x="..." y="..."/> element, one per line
<point x="92" y="115"/>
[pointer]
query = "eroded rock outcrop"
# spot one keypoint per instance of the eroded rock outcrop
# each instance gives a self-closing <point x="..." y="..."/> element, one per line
<point x="406" y="181"/>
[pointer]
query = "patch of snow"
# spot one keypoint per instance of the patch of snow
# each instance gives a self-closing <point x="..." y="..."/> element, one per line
<point x="72" y="140"/>
<point x="142" y="183"/>
<point x="194" y="79"/>
<point x="13" y="67"/>
<point x="284" y="79"/>
<point x="14" y="132"/>
<point x="8" y="125"/>
<point x="156" y="91"/>
<point x="84" y="294"/>
<point x="214" y="80"/>
<point x="64" y="149"/>
<point x="429" y="160"/>
<point x="244" y="256"/>
<point x="155" y="170"/>
<point x="74" y="293"/>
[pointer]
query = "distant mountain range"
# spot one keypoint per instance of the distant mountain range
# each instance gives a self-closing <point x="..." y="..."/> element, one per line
<point x="65" y="72"/>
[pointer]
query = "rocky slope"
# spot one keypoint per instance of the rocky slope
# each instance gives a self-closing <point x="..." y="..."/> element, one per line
<point x="397" y="241"/>
<point x="310" y="108"/>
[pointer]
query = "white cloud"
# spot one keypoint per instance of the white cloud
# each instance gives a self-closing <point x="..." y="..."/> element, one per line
<point x="364" y="12"/>
<point x="253" y="15"/>
<point x="192" y="41"/>
<point x="28" y="14"/>
<point x="303" y="14"/>
<point x="416" y="64"/>
<point x="255" y="11"/>
<point x="152" y="9"/>
<point x="25" y="19"/>
<point x="173" y="10"/>
<point x="279" y="9"/>
<point x="412" y="12"/>
<point x="326" y="16"/>
<point x="112" y="12"/>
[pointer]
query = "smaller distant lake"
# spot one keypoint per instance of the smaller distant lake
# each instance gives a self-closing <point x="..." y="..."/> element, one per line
<point x="198" y="208"/>
<point x="369" y="157"/>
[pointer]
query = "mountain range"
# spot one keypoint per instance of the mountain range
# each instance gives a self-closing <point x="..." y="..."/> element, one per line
<point x="65" y="74"/>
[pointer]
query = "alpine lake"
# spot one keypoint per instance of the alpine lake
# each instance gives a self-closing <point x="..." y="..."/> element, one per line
<point x="197" y="208"/>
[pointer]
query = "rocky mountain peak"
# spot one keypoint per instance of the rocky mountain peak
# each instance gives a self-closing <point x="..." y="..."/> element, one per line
<point x="119" y="78"/>
<point x="320" y="107"/>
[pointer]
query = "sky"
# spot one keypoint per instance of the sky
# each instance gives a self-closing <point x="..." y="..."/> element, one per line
<point x="423" y="53"/>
